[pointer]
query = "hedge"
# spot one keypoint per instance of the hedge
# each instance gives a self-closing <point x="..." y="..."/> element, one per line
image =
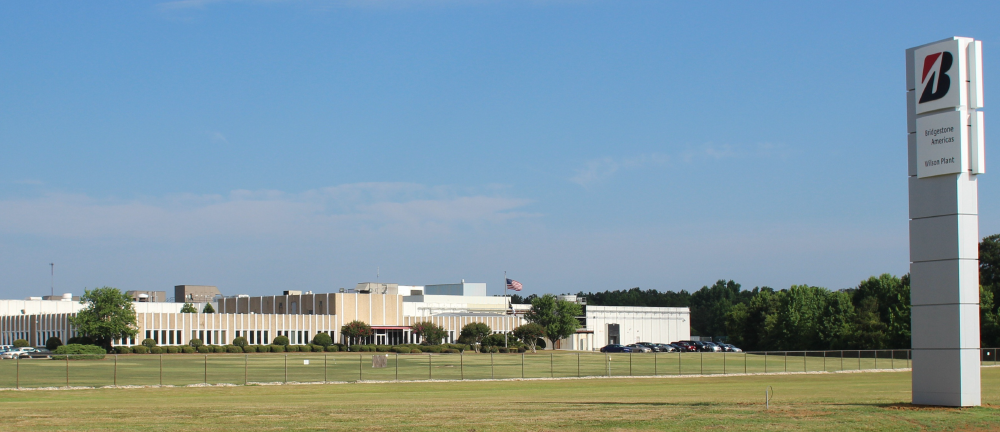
<point x="172" y="350"/>
<point x="123" y="350"/>
<point x="139" y="349"/>
<point x="188" y="349"/>
<point x="249" y="349"/>
<point x="218" y="349"/>
<point x="291" y="348"/>
<point x="233" y="349"/>
<point x="415" y="351"/>
<point x="277" y="348"/>
<point x="317" y="348"/>
<point x="86" y="352"/>
<point x="204" y="349"/>
<point x="332" y="348"/>
<point x="156" y="350"/>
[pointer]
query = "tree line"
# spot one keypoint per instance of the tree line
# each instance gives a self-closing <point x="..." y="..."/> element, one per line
<point x="875" y="314"/>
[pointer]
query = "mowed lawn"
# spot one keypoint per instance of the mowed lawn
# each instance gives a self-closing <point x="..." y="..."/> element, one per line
<point x="835" y="401"/>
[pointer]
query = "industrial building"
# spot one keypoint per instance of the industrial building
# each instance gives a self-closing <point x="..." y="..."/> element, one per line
<point x="390" y="309"/>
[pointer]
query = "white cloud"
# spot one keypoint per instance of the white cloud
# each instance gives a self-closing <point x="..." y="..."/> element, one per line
<point x="598" y="170"/>
<point x="401" y="208"/>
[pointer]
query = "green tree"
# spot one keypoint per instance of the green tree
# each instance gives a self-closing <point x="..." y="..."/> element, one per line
<point x="710" y="305"/>
<point x="108" y="316"/>
<point x="799" y="317"/>
<point x="195" y="343"/>
<point x="892" y="309"/>
<point x="52" y="343"/>
<point x="837" y="325"/>
<point x="355" y="331"/>
<point x="208" y="308"/>
<point x="188" y="308"/>
<point x="529" y="334"/>
<point x="473" y="334"/>
<point x="431" y="333"/>
<point x="322" y="339"/>
<point x="558" y="317"/>
<point x="280" y="340"/>
<point x="989" y="317"/>
<point x="20" y="343"/>
<point x="240" y="341"/>
<point x="989" y="260"/>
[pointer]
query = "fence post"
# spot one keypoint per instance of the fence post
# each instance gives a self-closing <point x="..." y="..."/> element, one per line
<point x="875" y="352"/>
<point x="824" y="361"/>
<point x="491" y="365"/>
<point x="701" y="359"/>
<point x="765" y="361"/>
<point x="397" y="366"/>
<point x="522" y="363"/>
<point x="360" y="363"/>
<point x="786" y="360"/>
<point x="841" y="360"/>
<point x="654" y="363"/>
<point x="206" y="368"/>
<point x="892" y="359"/>
<point x="607" y="363"/>
<point x="67" y="370"/>
<point x="630" y="363"/>
<point x="578" y="365"/>
<point x="552" y="373"/>
<point x="679" y="370"/>
<point x="744" y="362"/>
<point x="161" y="370"/>
<point x="461" y="363"/>
<point x="430" y="373"/>
<point x="17" y="373"/>
<point x="116" y="370"/>
<point x="723" y="362"/>
<point x="246" y="361"/>
<point x="805" y="355"/>
<point x="859" y="359"/>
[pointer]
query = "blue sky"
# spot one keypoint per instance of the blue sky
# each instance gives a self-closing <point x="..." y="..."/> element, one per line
<point x="579" y="145"/>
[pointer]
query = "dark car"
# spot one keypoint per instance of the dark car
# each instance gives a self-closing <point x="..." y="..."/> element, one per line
<point x="652" y="346"/>
<point x="615" y="348"/>
<point x="686" y="346"/>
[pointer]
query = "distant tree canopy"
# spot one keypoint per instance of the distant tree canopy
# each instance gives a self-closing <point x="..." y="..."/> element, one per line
<point x="188" y="308"/>
<point x="989" y="291"/>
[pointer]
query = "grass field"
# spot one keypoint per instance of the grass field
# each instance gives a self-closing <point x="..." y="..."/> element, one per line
<point x="186" y="369"/>
<point x="836" y="401"/>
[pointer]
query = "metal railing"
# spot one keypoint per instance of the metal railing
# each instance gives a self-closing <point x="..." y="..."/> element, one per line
<point x="248" y="369"/>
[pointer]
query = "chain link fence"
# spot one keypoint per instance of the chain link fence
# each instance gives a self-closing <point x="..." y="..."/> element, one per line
<point x="251" y="369"/>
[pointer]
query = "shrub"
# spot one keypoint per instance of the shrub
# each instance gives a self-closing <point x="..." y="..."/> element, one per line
<point x="263" y="348"/>
<point x="240" y="342"/>
<point x="123" y="350"/>
<point x="83" y="352"/>
<point x="20" y="343"/>
<point x="277" y="348"/>
<point x="450" y="350"/>
<point x="249" y="349"/>
<point x="382" y="348"/>
<point x="322" y="339"/>
<point x="148" y="343"/>
<point x="331" y="348"/>
<point x="138" y="349"/>
<point x="432" y="348"/>
<point x="415" y="351"/>
<point x="341" y="347"/>
<point x="156" y="350"/>
<point x="219" y="349"/>
<point x="204" y="349"/>
<point x="233" y="349"/>
<point x="81" y="340"/>
<point x="53" y="343"/>
<point x="356" y="348"/>
<point x="522" y="349"/>
<point x="187" y="349"/>
<point x="292" y="348"/>
<point x="280" y="340"/>
<point x="503" y="350"/>
<point x="317" y="348"/>
<point x="172" y="350"/>
<point x="196" y="343"/>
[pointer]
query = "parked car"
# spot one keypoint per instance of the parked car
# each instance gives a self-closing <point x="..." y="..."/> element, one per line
<point x="615" y="348"/>
<point x="639" y="348"/>
<point x="652" y="346"/>
<point x="686" y="346"/>
<point x="710" y="347"/>
<point x="23" y="352"/>
<point x="731" y="348"/>
<point x="666" y="348"/>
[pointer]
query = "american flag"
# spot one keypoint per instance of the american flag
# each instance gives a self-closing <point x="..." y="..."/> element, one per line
<point x="513" y="285"/>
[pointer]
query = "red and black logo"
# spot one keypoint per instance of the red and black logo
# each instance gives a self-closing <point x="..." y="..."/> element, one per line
<point x="943" y="61"/>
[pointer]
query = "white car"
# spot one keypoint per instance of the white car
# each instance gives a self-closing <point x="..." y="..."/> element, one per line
<point x="17" y="352"/>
